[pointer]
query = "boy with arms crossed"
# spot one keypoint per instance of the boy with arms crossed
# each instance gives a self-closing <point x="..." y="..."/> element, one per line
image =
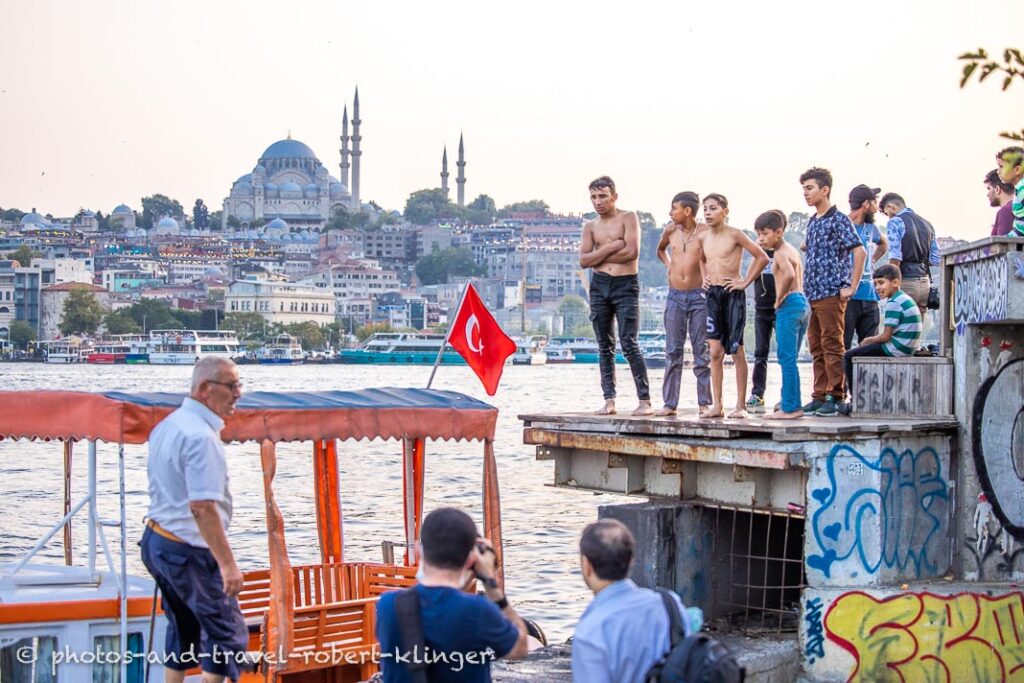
<point x="722" y="251"/>
<point x="686" y="310"/>
<point x="791" y="309"/>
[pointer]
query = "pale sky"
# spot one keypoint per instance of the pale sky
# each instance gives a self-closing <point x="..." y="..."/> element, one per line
<point x="105" y="102"/>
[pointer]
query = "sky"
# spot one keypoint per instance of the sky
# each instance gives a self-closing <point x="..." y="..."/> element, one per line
<point x="104" y="102"/>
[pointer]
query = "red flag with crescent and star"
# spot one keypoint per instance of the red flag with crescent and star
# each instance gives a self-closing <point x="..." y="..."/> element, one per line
<point x="477" y="336"/>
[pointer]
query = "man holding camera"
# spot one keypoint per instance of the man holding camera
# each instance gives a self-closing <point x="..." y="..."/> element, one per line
<point x="461" y="632"/>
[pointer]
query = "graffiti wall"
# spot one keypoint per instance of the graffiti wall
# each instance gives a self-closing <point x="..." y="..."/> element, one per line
<point x="917" y="636"/>
<point x="979" y="292"/>
<point x="879" y="517"/>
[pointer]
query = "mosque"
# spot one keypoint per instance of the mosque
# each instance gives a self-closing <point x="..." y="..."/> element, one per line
<point x="290" y="183"/>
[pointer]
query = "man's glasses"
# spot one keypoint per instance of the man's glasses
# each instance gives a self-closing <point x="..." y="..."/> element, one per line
<point x="230" y="386"/>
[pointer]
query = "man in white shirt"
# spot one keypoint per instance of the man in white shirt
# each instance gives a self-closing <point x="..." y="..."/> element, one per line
<point x="185" y="545"/>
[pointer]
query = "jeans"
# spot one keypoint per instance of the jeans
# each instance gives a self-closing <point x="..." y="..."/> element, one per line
<point x="825" y="339"/>
<point x="617" y="298"/>
<point x="764" y="324"/>
<point x="686" y="312"/>
<point x="875" y="349"/>
<point x="862" y="317"/>
<point x="790" y="327"/>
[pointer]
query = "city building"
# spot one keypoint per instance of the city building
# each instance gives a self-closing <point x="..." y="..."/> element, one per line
<point x="354" y="281"/>
<point x="51" y="305"/>
<point x="6" y="297"/>
<point x="280" y="302"/>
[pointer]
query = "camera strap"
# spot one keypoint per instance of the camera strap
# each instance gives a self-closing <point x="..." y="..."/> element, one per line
<point x="410" y="633"/>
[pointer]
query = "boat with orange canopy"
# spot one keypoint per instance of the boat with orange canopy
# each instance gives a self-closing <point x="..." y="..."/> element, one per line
<point x="307" y="622"/>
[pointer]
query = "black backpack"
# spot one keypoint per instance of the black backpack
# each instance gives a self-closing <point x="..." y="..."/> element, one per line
<point x="693" y="659"/>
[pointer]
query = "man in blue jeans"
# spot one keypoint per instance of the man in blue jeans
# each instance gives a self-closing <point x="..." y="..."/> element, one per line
<point x="862" y="314"/>
<point x="791" y="308"/>
<point x="611" y="246"/>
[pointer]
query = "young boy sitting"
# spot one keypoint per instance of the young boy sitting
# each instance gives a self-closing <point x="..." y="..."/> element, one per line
<point x="722" y="249"/>
<point x="901" y="320"/>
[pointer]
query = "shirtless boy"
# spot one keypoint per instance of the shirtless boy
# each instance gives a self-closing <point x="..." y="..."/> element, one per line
<point x="611" y="246"/>
<point x="722" y="251"/>
<point x="792" y="311"/>
<point x="686" y="310"/>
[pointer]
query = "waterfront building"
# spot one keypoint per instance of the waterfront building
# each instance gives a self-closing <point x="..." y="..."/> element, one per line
<point x="6" y="297"/>
<point x="51" y="305"/>
<point x="280" y="302"/>
<point x="354" y="281"/>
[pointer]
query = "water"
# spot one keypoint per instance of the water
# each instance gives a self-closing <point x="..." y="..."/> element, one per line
<point x="541" y="524"/>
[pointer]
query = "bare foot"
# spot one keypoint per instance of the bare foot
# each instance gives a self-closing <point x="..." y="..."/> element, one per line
<point x="666" y="411"/>
<point x="644" y="409"/>
<point x="608" y="409"/>
<point x="738" y="414"/>
<point x="712" y="412"/>
<point x="779" y="415"/>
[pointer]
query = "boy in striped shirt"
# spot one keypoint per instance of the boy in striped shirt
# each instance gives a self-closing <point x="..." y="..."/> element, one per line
<point x="1011" y="171"/>
<point x="901" y="329"/>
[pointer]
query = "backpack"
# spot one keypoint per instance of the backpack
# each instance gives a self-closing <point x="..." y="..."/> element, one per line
<point x="410" y="633"/>
<point x="697" y="658"/>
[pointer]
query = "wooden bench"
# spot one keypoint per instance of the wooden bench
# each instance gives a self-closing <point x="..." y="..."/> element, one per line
<point x="904" y="387"/>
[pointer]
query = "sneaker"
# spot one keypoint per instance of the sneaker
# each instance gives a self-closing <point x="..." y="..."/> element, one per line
<point x="845" y="408"/>
<point x="830" y="408"/>
<point x="813" y="406"/>
<point x="755" y="404"/>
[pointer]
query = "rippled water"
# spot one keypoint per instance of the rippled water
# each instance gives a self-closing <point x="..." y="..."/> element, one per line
<point x="541" y="524"/>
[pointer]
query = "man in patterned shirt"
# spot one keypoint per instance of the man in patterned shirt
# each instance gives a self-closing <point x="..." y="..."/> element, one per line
<point x="912" y="248"/>
<point x="1011" y="170"/>
<point x="902" y="324"/>
<point x="830" y="277"/>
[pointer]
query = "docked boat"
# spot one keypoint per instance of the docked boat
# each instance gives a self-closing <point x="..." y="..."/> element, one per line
<point x="655" y="359"/>
<point x="584" y="349"/>
<point x="63" y="351"/>
<point x="284" y="350"/>
<point x="559" y="354"/>
<point x="401" y="348"/>
<point x="186" y="347"/>
<point x="118" y="349"/>
<point x="306" y="621"/>
<point x="530" y="351"/>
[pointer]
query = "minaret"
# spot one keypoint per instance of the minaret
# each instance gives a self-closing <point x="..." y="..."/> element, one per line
<point x="356" y="152"/>
<point x="460" y="179"/>
<point x="344" y="148"/>
<point x="444" y="172"/>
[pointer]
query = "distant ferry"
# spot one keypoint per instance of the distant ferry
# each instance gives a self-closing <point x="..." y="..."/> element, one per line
<point x="284" y="350"/>
<point x="401" y="348"/>
<point x="117" y="349"/>
<point x="186" y="347"/>
<point x="530" y="351"/>
<point x="64" y="351"/>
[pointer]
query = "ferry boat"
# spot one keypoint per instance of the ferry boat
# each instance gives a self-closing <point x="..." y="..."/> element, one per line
<point x="584" y="349"/>
<point x="559" y="354"/>
<point x="125" y="348"/>
<point x="530" y="351"/>
<point x="404" y="348"/>
<point x="306" y="621"/>
<point x="284" y="350"/>
<point x="186" y="347"/>
<point x="64" y="351"/>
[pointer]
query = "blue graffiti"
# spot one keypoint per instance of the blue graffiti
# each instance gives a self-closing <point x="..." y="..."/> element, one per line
<point x="815" y="632"/>
<point x="910" y="506"/>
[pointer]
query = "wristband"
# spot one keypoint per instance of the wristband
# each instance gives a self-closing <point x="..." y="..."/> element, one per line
<point x="503" y="603"/>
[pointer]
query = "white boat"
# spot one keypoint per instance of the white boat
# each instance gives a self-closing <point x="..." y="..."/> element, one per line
<point x="284" y="350"/>
<point x="411" y="348"/>
<point x="559" y="354"/>
<point x="530" y="351"/>
<point x="65" y="351"/>
<point x="186" y="347"/>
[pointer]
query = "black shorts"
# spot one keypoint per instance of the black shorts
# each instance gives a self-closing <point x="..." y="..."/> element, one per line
<point x="727" y="316"/>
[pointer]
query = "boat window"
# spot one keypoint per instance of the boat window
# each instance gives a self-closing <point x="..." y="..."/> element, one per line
<point x="107" y="668"/>
<point x="28" y="660"/>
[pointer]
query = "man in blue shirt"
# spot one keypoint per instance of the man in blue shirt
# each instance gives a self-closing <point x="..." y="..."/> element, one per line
<point x="625" y="629"/>
<point x="862" y="315"/>
<point x="463" y="631"/>
<point x="912" y="248"/>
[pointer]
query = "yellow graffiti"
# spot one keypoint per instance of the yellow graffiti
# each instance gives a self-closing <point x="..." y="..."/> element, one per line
<point x="930" y="638"/>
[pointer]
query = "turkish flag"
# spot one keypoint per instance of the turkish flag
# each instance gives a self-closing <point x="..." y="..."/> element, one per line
<point x="480" y="340"/>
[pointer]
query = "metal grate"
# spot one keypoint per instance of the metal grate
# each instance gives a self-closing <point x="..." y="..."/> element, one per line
<point x="756" y="567"/>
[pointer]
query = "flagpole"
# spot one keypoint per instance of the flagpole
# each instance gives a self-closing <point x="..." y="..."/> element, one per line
<point x="448" y="334"/>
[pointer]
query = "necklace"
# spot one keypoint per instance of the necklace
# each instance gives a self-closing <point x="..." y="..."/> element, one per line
<point x="690" y="238"/>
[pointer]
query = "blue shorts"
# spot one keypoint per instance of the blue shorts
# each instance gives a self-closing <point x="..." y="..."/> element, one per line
<point x="205" y="627"/>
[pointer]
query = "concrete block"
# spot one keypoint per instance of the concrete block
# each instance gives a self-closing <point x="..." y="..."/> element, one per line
<point x="920" y="632"/>
<point x="879" y="512"/>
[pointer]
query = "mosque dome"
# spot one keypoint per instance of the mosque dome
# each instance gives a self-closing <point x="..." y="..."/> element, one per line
<point x="271" y="189"/>
<point x="311" y="189"/>
<point x="247" y="178"/>
<point x="338" y="188"/>
<point x="88" y="214"/>
<point x="288" y="149"/>
<point x="290" y="187"/>
<point x="213" y="271"/>
<point x="121" y="210"/>
<point x="277" y="224"/>
<point x="167" y="223"/>
<point x="287" y="237"/>
<point x="33" y="219"/>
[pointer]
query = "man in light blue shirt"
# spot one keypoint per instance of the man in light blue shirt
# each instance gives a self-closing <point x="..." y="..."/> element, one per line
<point x="625" y="629"/>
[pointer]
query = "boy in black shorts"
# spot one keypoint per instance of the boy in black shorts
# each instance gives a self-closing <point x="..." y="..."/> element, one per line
<point x="722" y="251"/>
